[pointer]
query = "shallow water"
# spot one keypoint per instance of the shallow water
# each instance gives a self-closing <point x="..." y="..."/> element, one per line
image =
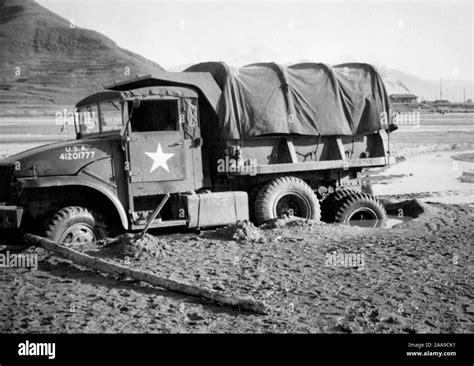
<point x="395" y="220"/>
<point x="434" y="176"/>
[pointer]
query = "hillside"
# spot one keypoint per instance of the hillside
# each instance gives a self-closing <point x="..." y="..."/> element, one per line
<point x="45" y="61"/>
<point x="398" y="82"/>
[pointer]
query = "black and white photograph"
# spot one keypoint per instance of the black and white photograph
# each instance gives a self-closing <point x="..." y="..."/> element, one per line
<point x="280" y="168"/>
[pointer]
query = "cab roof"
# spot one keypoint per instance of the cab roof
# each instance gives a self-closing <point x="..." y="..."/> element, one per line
<point x="148" y="92"/>
<point x="201" y="82"/>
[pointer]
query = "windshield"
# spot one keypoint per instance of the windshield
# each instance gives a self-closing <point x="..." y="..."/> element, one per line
<point x="101" y="117"/>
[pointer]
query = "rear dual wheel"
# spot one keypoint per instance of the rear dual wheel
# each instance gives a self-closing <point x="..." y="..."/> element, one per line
<point x="354" y="208"/>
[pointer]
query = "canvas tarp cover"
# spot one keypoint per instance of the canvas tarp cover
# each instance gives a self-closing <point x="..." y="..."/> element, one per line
<point x="305" y="99"/>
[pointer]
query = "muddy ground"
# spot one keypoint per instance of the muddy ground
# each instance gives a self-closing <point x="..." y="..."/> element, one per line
<point x="412" y="278"/>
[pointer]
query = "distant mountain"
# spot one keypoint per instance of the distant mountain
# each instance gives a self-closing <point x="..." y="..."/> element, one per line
<point x="399" y="82"/>
<point x="180" y="68"/>
<point x="396" y="87"/>
<point x="46" y="60"/>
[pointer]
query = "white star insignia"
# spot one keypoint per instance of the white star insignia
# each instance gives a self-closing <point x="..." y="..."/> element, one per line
<point x="159" y="159"/>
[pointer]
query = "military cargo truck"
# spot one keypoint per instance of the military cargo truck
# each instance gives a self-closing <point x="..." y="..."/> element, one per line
<point x="260" y="142"/>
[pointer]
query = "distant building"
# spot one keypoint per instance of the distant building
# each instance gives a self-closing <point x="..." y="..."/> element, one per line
<point x="399" y="92"/>
<point x="442" y="102"/>
<point x="403" y="98"/>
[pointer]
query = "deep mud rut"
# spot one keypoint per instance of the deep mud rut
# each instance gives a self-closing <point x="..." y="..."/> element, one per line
<point x="413" y="278"/>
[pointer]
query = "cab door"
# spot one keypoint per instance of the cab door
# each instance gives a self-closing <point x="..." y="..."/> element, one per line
<point x="156" y="146"/>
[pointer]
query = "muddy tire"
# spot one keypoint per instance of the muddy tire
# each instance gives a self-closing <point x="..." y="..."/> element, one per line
<point x="360" y="209"/>
<point x="75" y="225"/>
<point x="286" y="197"/>
<point x="331" y="202"/>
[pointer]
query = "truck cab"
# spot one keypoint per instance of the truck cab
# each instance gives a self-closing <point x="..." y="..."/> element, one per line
<point x="132" y="148"/>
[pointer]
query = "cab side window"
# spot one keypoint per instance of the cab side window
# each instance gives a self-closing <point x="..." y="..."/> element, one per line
<point x="155" y="115"/>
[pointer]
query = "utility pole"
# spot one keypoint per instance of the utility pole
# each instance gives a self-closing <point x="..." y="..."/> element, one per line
<point x="464" y="97"/>
<point x="440" y="89"/>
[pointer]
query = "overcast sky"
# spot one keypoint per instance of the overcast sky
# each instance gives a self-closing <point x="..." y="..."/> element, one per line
<point x="428" y="39"/>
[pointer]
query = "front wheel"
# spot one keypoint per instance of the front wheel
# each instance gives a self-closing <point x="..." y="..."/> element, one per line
<point x="75" y="225"/>
<point x="286" y="197"/>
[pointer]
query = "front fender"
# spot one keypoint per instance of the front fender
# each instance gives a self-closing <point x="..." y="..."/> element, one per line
<point x="62" y="181"/>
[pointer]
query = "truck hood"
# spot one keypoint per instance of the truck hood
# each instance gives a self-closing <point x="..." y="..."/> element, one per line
<point x="63" y="158"/>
